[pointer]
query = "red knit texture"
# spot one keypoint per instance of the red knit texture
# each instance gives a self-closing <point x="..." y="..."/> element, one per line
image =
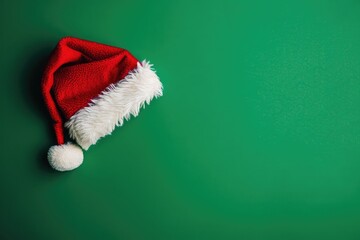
<point x="78" y="71"/>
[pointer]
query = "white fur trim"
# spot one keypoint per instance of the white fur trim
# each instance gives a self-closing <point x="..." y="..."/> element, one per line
<point x="115" y="104"/>
<point x="65" y="157"/>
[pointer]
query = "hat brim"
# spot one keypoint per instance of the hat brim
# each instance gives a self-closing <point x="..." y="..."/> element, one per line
<point x="115" y="105"/>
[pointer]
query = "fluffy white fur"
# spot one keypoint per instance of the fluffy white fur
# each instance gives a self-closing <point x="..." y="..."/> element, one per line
<point x="65" y="157"/>
<point x="115" y="104"/>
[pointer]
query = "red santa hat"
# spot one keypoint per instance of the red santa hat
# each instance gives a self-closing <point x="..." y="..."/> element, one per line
<point x="90" y="88"/>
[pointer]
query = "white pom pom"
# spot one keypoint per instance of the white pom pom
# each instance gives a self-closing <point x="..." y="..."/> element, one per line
<point x="65" y="157"/>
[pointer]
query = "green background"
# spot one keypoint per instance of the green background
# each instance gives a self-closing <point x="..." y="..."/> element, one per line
<point x="257" y="135"/>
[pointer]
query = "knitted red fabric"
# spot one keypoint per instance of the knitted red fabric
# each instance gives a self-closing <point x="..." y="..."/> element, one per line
<point x="78" y="71"/>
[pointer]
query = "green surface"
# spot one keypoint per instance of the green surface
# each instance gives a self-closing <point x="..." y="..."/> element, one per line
<point x="257" y="135"/>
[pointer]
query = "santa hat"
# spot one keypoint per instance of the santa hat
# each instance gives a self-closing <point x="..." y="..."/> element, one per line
<point x="90" y="88"/>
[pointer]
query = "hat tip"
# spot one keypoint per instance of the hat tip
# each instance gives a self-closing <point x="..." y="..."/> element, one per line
<point x="65" y="157"/>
